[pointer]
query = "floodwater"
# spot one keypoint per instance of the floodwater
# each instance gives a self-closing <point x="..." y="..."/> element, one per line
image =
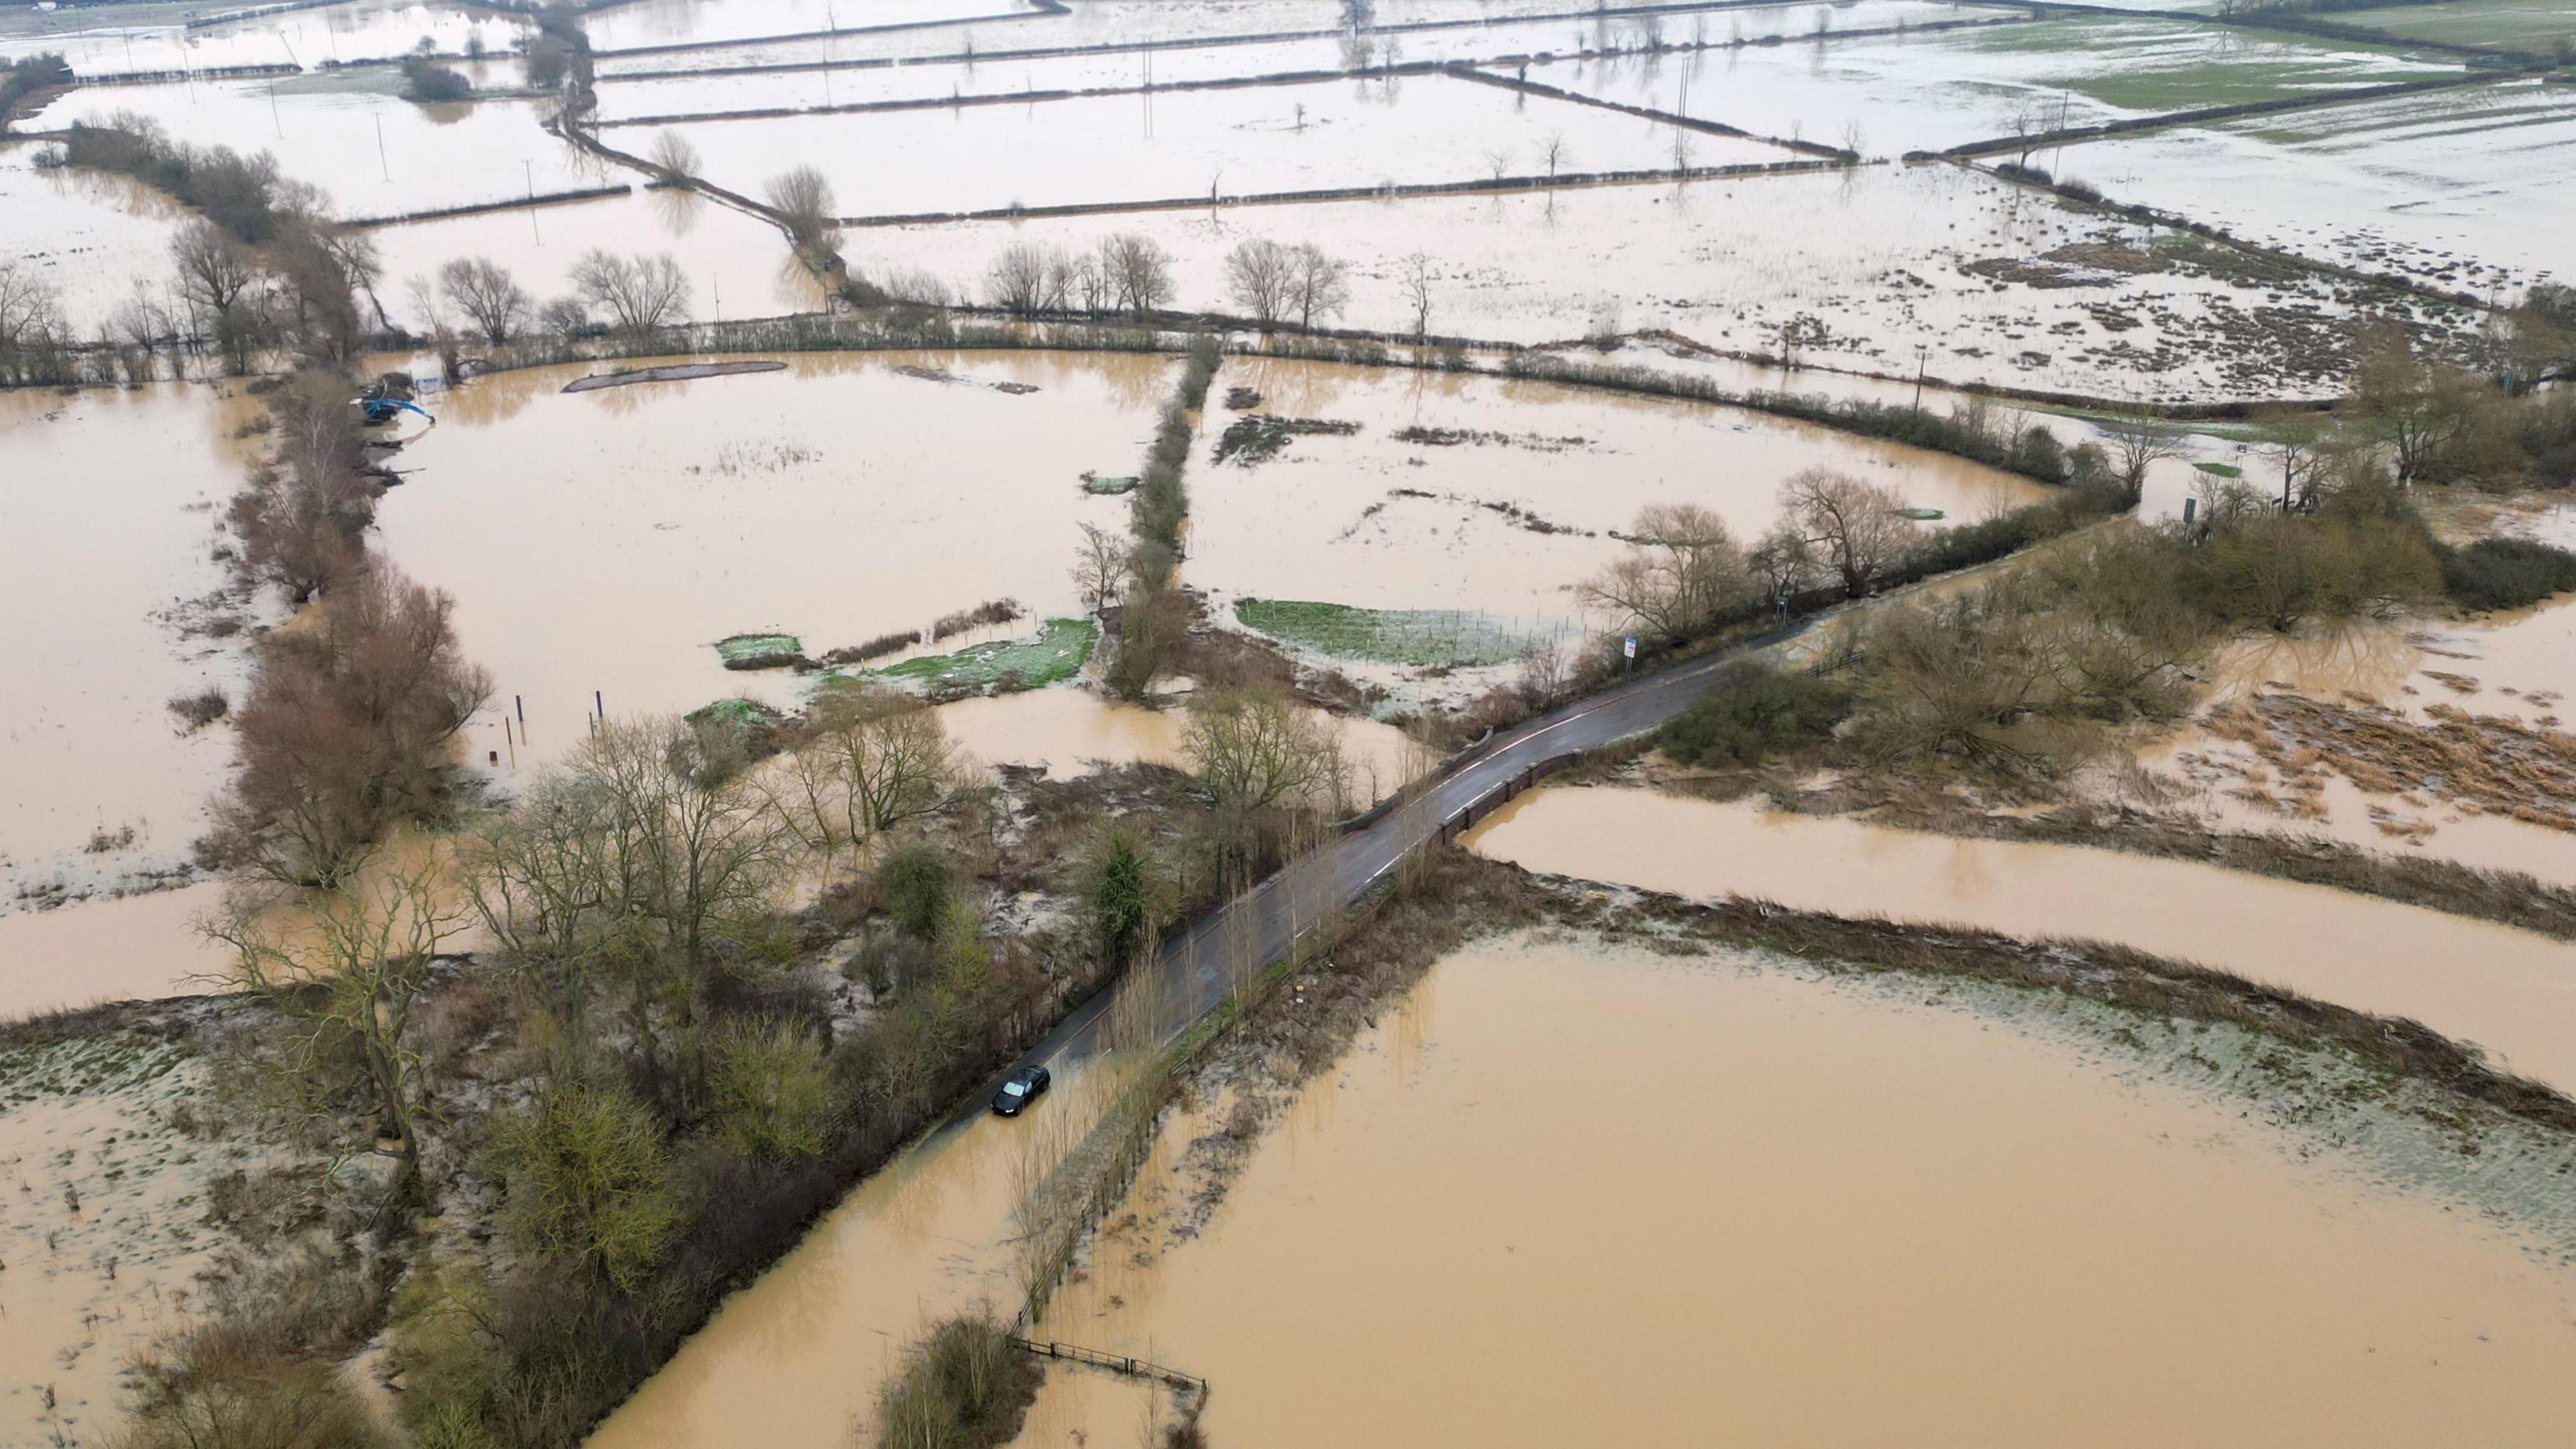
<point x="1932" y="91"/>
<point x="737" y="265"/>
<point x="1238" y="141"/>
<point x="1069" y="729"/>
<point x="1373" y="521"/>
<point x="93" y="238"/>
<point x="139" y="948"/>
<point x="2519" y="666"/>
<point x="795" y="1359"/>
<point x="112" y="498"/>
<point x="1876" y="253"/>
<point x="151" y="37"/>
<point x="1572" y="1194"/>
<point x="353" y="135"/>
<point x="2511" y="992"/>
<point x="2451" y="187"/>
<point x="604" y="541"/>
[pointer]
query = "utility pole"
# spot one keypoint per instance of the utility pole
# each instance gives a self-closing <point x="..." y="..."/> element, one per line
<point x="1922" y="364"/>
<point x="530" y="168"/>
<point x="387" y="166"/>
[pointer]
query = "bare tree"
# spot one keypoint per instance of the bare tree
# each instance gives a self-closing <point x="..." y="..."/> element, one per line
<point x="2138" y="443"/>
<point x="1087" y="283"/>
<point x="1553" y="151"/>
<point x="31" y="312"/>
<point x="491" y="299"/>
<point x="1100" y="566"/>
<point x="1021" y="279"/>
<point x="1260" y="276"/>
<point x="1415" y="274"/>
<point x="1784" y="564"/>
<point x="1140" y="272"/>
<point x="875" y="759"/>
<point x="1684" y="570"/>
<point x="215" y="269"/>
<point x="1854" y="525"/>
<point x="346" y="972"/>
<point x="675" y="158"/>
<point x="640" y="293"/>
<point x="1318" y="285"/>
<point x="1499" y="161"/>
<point x="802" y="197"/>
<point x="1253" y="748"/>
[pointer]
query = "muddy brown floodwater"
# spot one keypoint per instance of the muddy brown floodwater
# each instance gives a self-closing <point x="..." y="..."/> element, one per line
<point x="795" y="1359"/>
<point x="1374" y="520"/>
<point x="604" y="541"/>
<point x="1572" y="1194"/>
<point x="1068" y="729"/>
<point x="2512" y="992"/>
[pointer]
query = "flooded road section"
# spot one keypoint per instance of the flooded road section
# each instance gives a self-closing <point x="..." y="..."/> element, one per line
<point x="2510" y="991"/>
<point x="1572" y="1194"/>
<point x="795" y="1359"/>
<point x="604" y="541"/>
<point x="1499" y="495"/>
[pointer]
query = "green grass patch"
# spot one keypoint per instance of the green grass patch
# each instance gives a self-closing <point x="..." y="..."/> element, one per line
<point x="1109" y="487"/>
<point x="760" y="651"/>
<point x="1056" y="653"/>
<point x="2222" y="470"/>
<point x="1385" y="636"/>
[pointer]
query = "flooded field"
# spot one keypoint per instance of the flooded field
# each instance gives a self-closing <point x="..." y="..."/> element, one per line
<point x="1238" y="141"/>
<point x="2519" y="669"/>
<point x="603" y="541"/>
<point x="94" y="238"/>
<point x="353" y="135"/>
<point x="97" y="780"/>
<point x="1568" y="1193"/>
<point x="1879" y="260"/>
<point x="1374" y="520"/>
<point x="141" y="948"/>
<point x="2524" y="24"/>
<point x="2509" y="991"/>
<point x="737" y="264"/>
<point x="2450" y="187"/>
<point x="1068" y="730"/>
<point x="157" y="36"/>
<point x="667" y="22"/>
<point x="990" y="69"/>
<point x="1933" y="91"/>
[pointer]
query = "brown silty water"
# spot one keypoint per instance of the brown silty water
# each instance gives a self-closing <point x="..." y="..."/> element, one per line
<point x="1069" y="729"/>
<point x="2511" y="992"/>
<point x="796" y="1358"/>
<point x="2519" y="667"/>
<point x="1374" y="520"/>
<point x="603" y="541"/>
<point x="1574" y="1194"/>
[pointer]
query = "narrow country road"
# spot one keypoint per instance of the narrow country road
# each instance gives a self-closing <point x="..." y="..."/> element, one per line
<point x="1256" y="928"/>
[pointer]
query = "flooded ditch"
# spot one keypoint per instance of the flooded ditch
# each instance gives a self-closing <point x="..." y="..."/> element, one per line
<point x="2511" y="992"/>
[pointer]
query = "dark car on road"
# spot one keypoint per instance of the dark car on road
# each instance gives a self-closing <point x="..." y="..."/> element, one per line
<point x="1022" y="1089"/>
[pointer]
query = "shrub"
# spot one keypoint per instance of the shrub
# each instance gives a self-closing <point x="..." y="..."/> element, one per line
<point x="2506" y="573"/>
<point x="426" y="80"/>
<point x="966" y="1386"/>
<point x="915" y="883"/>
<point x="589" y="1182"/>
<point x="1751" y="712"/>
<point x="773" y="1096"/>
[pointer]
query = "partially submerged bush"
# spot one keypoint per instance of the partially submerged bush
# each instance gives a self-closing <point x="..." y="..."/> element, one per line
<point x="426" y="80"/>
<point x="2506" y="573"/>
<point x="966" y="1386"/>
<point x="1752" y="711"/>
